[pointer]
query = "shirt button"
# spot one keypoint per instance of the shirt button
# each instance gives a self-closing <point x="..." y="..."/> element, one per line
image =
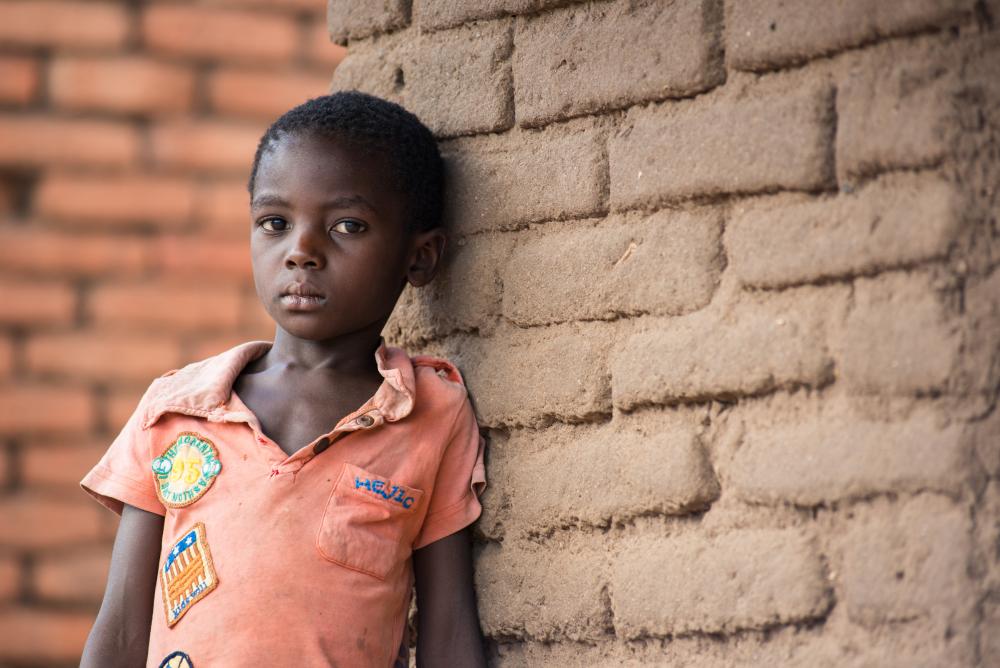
<point x="366" y="420"/>
<point x="321" y="445"/>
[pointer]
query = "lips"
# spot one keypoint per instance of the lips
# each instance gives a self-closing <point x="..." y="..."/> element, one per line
<point x="301" y="297"/>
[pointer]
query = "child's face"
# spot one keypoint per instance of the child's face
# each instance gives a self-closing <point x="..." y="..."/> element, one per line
<point x="329" y="241"/>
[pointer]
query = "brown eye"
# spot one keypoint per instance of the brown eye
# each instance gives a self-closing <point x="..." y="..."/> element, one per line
<point x="274" y="224"/>
<point x="349" y="227"/>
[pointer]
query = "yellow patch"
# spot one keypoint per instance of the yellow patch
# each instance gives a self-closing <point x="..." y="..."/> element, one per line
<point x="186" y="469"/>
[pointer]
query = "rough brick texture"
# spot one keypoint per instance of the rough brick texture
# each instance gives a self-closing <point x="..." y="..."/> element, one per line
<point x="745" y="579"/>
<point x="667" y="263"/>
<point x="722" y="279"/>
<point x="557" y="173"/>
<point x="895" y="222"/>
<point x="753" y="349"/>
<point x="126" y="135"/>
<point x="764" y="140"/>
<point x="610" y="55"/>
<point x="762" y="34"/>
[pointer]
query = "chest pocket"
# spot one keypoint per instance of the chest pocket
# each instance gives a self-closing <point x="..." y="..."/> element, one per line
<point x="369" y="522"/>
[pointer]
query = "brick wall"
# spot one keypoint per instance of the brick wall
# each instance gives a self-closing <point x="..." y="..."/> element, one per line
<point x="725" y="289"/>
<point x="126" y="134"/>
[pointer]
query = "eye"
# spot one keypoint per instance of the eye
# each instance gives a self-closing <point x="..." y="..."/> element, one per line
<point x="274" y="224"/>
<point x="349" y="227"/>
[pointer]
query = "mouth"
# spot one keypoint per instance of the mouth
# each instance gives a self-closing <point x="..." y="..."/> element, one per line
<point x="301" y="297"/>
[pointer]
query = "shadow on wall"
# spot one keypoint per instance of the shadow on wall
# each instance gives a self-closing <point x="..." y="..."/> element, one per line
<point x="126" y="135"/>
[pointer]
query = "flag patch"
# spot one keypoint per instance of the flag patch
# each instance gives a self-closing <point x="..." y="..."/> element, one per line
<point x="187" y="574"/>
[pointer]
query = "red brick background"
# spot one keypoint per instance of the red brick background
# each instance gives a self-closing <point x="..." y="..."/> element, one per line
<point x="126" y="135"/>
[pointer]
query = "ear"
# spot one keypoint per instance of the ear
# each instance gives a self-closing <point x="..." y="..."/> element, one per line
<point x="426" y="251"/>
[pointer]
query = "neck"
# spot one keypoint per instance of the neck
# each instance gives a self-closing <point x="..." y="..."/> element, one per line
<point x="352" y="353"/>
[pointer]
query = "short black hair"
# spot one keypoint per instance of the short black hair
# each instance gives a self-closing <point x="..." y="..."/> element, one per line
<point x="383" y="126"/>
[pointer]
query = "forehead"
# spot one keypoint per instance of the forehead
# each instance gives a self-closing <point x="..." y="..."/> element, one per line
<point x="308" y="166"/>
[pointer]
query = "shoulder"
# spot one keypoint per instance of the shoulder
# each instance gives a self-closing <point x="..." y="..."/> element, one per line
<point x="200" y="385"/>
<point x="439" y="381"/>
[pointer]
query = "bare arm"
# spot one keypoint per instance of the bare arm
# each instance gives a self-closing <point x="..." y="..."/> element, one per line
<point x="120" y="636"/>
<point x="448" y="632"/>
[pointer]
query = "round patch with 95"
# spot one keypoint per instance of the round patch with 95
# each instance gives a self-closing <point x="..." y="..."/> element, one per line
<point x="186" y="469"/>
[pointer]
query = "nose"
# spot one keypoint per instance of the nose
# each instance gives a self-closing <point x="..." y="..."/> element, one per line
<point x="305" y="251"/>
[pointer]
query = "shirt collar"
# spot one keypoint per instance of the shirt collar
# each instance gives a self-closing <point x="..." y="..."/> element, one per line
<point x="203" y="389"/>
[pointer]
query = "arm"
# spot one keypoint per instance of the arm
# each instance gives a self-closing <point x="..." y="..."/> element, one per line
<point x="448" y="631"/>
<point x="120" y="636"/>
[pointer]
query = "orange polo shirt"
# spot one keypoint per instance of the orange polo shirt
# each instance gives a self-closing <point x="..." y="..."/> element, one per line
<point x="300" y="560"/>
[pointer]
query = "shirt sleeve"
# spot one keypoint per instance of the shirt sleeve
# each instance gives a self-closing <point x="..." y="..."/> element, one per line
<point x="461" y="478"/>
<point x="124" y="473"/>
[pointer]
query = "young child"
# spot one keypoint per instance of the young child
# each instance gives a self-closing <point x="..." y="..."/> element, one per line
<point x="279" y="500"/>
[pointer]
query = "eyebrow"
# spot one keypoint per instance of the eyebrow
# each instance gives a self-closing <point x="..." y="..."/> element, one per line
<point x="342" y="202"/>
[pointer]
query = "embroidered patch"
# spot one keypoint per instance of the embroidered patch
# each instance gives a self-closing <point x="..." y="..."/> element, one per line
<point x="187" y="574"/>
<point x="176" y="660"/>
<point x="396" y="494"/>
<point x="186" y="470"/>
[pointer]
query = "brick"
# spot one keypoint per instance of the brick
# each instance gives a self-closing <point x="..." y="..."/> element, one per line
<point x="223" y="207"/>
<point x="748" y="579"/>
<point x="6" y="358"/>
<point x="222" y="34"/>
<point x="895" y="222"/>
<point x="120" y="405"/>
<point x="39" y="141"/>
<point x="481" y="99"/>
<point x="37" y="522"/>
<point x="753" y="349"/>
<point x="296" y="6"/>
<point x="95" y="84"/>
<point x="47" y="23"/>
<point x="319" y="49"/>
<point x="375" y="68"/>
<point x="264" y="94"/>
<point x="904" y="563"/>
<point x="36" y="408"/>
<point x="982" y="320"/>
<point x="895" y="110"/>
<point x="527" y="378"/>
<point x="18" y="79"/>
<point x="764" y="34"/>
<point x="991" y="641"/>
<point x="10" y="577"/>
<point x="658" y="458"/>
<point x="546" y="592"/>
<point x="355" y="20"/>
<point x="436" y="14"/>
<point x="715" y="145"/>
<point x="191" y="307"/>
<point x="557" y="173"/>
<point x="830" y="453"/>
<point x="225" y="258"/>
<point x="101" y="356"/>
<point x="667" y="264"/>
<point x="43" y="252"/>
<point x="34" y="635"/>
<point x="116" y="201"/>
<point x="79" y="575"/>
<point x="59" y="463"/>
<point x="900" y="337"/>
<point x="614" y="55"/>
<point x="465" y="296"/>
<point x="210" y="146"/>
<point x="34" y="303"/>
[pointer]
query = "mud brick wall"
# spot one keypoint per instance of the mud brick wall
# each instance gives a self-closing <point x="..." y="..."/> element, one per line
<point x="126" y="134"/>
<point x="725" y="288"/>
